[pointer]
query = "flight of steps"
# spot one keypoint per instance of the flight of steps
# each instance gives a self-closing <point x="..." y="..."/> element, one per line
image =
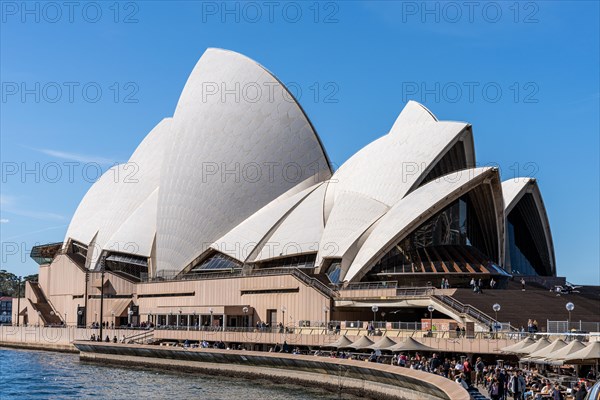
<point x="518" y="306"/>
<point x="47" y="313"/>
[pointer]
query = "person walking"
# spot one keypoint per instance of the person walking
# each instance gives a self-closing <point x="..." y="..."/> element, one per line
<point x="523" y="284"/>
<point x="479" y="367"/>
<point x="516" y="385"/>
<point x="494" y="389"/>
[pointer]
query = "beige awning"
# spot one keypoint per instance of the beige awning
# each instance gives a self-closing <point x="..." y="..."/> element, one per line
<point x="410" y="344"/>
<point x="540" y="344"/>
<point x="362" y="343"/>
<point x="537" y="356"/>
<point x="558" y="356"/>
<point x="518" y="346"/>
<point x="342" y="343"/>
<point x="384" y="344"/>
<point x="588" y="355"/>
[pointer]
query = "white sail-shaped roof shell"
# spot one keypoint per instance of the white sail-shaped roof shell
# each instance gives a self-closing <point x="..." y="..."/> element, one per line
<point x="242" y="241"/>
<point x="352" y="215"/>
<point x="384" y="172"/>
<point x="415" y="208"/>
<point x="240" y="170"/>
<point x="117" y="195"/>
<point x="386" y="169"/>
<point x="233" y="119"/>
<point x="413" y="113"/>
<point x="513" y="191"/>
<point x="299" y="232"/>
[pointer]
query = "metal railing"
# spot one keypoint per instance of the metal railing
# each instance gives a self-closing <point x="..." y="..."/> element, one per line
<point x="405" y="330"/>
<point x="415" y="291"/>
<point x="573" y="326"/>
<point x="371" y="285"/>
<point x="468" y="309"/>
<point x="140" y="337"/>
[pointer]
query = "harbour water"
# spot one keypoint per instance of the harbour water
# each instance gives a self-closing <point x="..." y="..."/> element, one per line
<point x="27" y="374"/>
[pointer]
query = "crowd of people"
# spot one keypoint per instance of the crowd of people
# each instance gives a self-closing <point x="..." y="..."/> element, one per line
<point x="497" y="380"/>
<point x="111" y="325"/>
<point x="523" y="384"/>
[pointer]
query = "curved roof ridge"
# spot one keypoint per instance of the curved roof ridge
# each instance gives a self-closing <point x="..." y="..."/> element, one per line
<point x="270" y="134"/>
<point x="291" y="96"/>
<point x="408" y="212"/>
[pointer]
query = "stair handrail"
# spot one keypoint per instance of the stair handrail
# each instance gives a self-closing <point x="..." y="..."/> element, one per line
<point x="141" y="335"/>
<point x="45" y="298"/>
<point x="468" y="309"/>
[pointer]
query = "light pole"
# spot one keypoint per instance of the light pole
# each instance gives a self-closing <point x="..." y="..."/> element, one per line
<point x="246" y="322"/>
<point x="496" y="307"/>
<point x="283" y="310"/>
<point x="325" y="310"/>
<point x="431" y="310"/>
<point x="570" y="307"/>
<point x="18" y="300"/>
<point x="210" y="310"/>
<point x="149" y="318"/>
<point x="374" y="309"/>
<point x="129" y="315"/>
<point x="102" y="267"/>
<point x="79" y="314"/>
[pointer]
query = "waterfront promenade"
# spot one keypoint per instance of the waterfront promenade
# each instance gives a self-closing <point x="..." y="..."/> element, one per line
<point x="382" y="381"/>
<point x="61" y="338"/>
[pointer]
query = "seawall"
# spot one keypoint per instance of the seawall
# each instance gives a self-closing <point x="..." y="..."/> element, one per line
<point x="368" y="379"/>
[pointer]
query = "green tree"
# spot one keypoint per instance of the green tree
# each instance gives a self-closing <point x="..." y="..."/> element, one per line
<point x="9" y="283"/>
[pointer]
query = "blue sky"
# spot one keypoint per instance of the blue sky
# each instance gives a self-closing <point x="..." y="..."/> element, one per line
<point x="82" y="86"/>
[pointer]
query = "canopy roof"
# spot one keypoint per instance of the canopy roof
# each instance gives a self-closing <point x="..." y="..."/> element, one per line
<point x="384" y="344"/>
<point x="557" y="357"/>
<point x="362" y="343"/>
<point x="540" y="344"/>
<point x="589" y="354"/>
<point x="342" y="342"/>
<point x="513" y="348"/>
<point x="536" y="356"/>
<point x="411" y="344"/>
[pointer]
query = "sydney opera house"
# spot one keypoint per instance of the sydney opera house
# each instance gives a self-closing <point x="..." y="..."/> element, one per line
<point x="229" y="213"/>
